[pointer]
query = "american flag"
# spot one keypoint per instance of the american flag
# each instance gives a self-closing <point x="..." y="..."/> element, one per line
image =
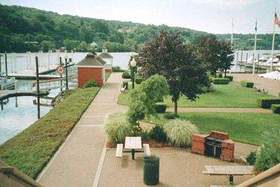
<point x="276" y="20"/>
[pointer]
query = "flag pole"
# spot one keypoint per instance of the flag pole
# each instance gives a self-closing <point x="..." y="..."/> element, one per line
<point x="255" y="47"/>
<point x="272" y="47"/>
<point x="231" y="37"/>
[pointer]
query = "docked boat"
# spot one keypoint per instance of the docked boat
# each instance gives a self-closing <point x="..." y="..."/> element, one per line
<point x="7" y="83"/>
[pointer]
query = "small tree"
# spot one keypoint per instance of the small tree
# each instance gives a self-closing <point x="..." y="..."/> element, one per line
<point x="142" y="100"/>
<point x="167" y="55"/>
<point x="225" y="56"/>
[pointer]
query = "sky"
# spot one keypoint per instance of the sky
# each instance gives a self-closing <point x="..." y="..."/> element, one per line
<point x="213" y="16"/>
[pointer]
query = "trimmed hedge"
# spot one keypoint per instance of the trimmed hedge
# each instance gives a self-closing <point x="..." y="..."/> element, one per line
<point x="267" y="102"/>
<point x="160" y="107"/>
<point x="247" y="84"/>
<point x="275" y="108"/>
<point x="125" y="75"/>
<point x="220" y="80"/>
<point x="229" y="77"/>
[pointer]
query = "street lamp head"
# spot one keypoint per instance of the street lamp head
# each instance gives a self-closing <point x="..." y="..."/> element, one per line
<point x="133" y="63"/>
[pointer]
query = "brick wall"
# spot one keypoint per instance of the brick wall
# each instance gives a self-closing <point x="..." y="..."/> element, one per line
<point x="227" y="150"/>
<point x="198" y="141"/>
<point x="85" y="74"/>
<point x="219" y="135"/>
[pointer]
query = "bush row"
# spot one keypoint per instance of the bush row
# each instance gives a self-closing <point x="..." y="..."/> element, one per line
<point x="268" y="102"/>
<point x="247" y="84"/>
<point x="220" y="80"/>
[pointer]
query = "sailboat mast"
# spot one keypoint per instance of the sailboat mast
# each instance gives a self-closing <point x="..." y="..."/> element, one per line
<point x="255" y="47"/>
<point x="231" y="37"/>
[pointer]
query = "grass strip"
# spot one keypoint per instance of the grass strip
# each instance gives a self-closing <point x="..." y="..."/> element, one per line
<point x="242" y="127"/>
<point x="31" y="149"/>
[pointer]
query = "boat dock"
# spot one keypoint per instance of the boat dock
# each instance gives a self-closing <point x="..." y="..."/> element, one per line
<point x="5" y="94"/>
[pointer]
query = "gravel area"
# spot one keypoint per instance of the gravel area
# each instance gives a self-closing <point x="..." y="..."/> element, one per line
<point x="178" y="167"/>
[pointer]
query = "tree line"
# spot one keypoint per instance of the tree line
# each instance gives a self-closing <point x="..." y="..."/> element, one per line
<point x="28" y="29"/>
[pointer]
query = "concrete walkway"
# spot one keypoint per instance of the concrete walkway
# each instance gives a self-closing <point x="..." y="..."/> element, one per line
<point x="76" y="162"/>
<point x="269" y="85"/>
<point x="229" y="110"/>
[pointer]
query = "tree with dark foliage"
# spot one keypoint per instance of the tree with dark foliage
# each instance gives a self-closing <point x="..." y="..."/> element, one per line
<point x="207" y="49"/>
<point x="167" y="55"/>
<point x="225" y="57"/>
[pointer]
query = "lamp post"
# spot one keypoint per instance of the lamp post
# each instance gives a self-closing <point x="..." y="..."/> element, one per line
<point x="132" y="69"/>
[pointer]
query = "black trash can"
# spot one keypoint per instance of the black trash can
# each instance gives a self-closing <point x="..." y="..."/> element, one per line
<point x="151" y="170"/>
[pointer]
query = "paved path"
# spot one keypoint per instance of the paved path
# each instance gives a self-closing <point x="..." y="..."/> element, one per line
<point x="269" y="85"/>
<point x="229" y="110"/>
<point x="76" y="162"/>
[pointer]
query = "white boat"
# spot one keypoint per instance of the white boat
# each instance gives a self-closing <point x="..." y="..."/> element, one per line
<point x="7" y="83"/>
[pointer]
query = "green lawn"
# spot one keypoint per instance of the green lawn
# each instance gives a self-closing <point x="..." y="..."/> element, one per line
<point x="242" y="127"/>
<point x="223" y="96"/>
<point x="31" y="150"/>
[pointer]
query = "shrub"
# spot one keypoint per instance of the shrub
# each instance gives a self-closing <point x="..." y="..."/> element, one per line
<point x="230" y="78"/>
<point x="160" y="107"/>
<point x="117" y="69"/>
<point x="138" y="80"/>
<point x="247" y="84"/>
<point x="179" y="132"/>
<point x="90" y="84"/>
<point x="268" y="154"/>
<point x="251" y="158"/>
<point x="220" y="80"/>
<point x="275" y="108"/>
<point x="267" y="102"/>
<point x="125" y="75"/>
<point x="118" y="127"/>
<point x="158" y="133"/>
<point x="170" y="115"/>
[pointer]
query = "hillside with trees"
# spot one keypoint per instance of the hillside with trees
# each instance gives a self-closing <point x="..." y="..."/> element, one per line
<point x="28" y="29"/>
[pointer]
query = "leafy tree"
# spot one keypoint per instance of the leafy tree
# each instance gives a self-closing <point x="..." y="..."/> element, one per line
<point x="167" y="55"/>
<point x="47" y="45"/>
<point x="207" y="49"/>
<point x="225" y="56"/>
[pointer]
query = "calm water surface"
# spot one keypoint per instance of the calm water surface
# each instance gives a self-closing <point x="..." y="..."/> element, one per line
<point x="15" y="119"/>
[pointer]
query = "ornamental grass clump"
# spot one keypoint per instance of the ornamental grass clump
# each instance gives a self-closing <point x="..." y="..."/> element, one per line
<point x="118" y="127"/>
<point x="179" y="132"/>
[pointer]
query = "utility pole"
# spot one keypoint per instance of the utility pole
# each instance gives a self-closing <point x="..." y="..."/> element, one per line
<point x="38" y="87"/>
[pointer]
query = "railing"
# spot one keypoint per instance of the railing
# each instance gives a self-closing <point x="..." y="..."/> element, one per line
<point x="268" y="178"/>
